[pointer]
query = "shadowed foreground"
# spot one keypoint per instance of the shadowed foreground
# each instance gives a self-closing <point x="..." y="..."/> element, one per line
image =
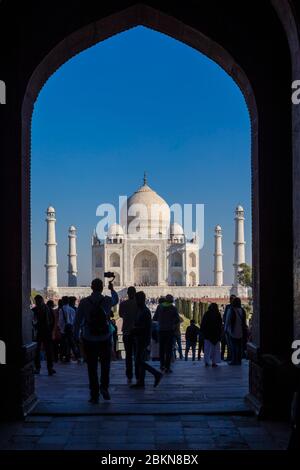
<point x="193" y="408"/>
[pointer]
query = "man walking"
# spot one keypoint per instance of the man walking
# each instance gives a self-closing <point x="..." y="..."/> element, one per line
<point x="128" y="312"/>
<point x="168" y="318"/>
<point x="92" y="319"/>
<point x="142" y="331"/>
<point x="66" y="319"/>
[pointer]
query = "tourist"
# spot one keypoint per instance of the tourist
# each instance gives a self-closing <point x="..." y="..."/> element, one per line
<point x="211" y="328"/>
<point x="72" y="303"/>
<point x="56" y="336"/>
<point x="43" y="323"/>
<point x="66" y="318"/>
<point x="191" y="338"/>
<point x="128" y="313"/>
<point x="225" y="340"/>
<point x="142" y="332"/>
<point x="168" y="318"/>
<point x="92" y="320"/>
<point x="236" y="327"/>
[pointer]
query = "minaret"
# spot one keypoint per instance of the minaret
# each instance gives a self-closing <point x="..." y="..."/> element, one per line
<point x="51" y="259"/>
<point x="218" y="271"/>
<point x="239" y="244"/>
<point x="72" y="270"/>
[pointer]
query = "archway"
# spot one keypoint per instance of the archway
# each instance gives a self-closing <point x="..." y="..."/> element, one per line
<point x="114" y="260"/>
<point x="192" y="279"/>
<point x="192" y="260"/>
<point x="145" y="267"/>
<point x="271" y="138"/>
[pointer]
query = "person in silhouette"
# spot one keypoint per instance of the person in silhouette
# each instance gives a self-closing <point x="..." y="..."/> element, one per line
<point x="168" y="318"/>
<point x="225" y="340"/>
<point x="66" y="319"/>
<point x="142" y="332"/>
<point x="191" y="338"/>
<point x="211" y="328"/>
<point x="128" y="312"/>
<point x="236" y="327"/>
<point x="43" y="324"/>
<point x="93" y="322"/>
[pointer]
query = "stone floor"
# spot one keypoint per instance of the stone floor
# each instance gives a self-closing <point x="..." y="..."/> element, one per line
<point x="191" y="388"/>
<point x="194" y="408"/>
<point x="144" y="432"/>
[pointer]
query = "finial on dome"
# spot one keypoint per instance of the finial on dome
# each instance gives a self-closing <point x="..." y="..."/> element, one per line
<point x="145" y="178"/>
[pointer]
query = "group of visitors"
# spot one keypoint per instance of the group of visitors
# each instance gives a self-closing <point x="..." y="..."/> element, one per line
<point x="88" y="332"/>
<point x="54" y="329"/>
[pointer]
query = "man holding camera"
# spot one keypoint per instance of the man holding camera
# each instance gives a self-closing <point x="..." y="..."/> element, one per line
<point x="92" y="320"/>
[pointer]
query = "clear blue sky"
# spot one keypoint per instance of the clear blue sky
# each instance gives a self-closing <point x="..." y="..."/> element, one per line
<point x="138" y="101"/>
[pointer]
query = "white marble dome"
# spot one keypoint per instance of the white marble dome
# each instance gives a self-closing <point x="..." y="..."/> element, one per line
<point x="50" y="210"/>
<point x="148" y="212"/>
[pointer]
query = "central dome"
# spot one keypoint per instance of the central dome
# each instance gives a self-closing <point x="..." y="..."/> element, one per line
<point x="148" y="213"/>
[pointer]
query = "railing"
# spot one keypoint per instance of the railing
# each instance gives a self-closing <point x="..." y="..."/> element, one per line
<point x="121" y="348"/>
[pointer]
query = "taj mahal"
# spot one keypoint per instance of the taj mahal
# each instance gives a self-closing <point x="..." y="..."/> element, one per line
<point x="146" y="250"/>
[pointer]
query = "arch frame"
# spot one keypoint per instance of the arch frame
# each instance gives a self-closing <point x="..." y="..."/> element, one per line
<point x="40" y="59"/>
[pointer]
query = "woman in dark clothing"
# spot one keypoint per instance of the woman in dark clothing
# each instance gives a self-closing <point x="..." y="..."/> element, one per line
<point x="236" y="328"/>
<point x="43" y="323"/>
<point x="142" y="333"/>
<point x="211" y="328"/>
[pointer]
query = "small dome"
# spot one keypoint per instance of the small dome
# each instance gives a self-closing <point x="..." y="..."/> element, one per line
<point x="218" y="228"/>
<point x="50" y="209"/>
<point x="239" y="208"/>
<point x="176" y="229"/>
<point x="115" y="230"/>
<point x="72" y="229"/>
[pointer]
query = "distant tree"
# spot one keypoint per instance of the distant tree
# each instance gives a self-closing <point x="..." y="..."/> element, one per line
<point x="245" y="275"/>
<point x="189" y="309"/>
<point x="196" y="311"/>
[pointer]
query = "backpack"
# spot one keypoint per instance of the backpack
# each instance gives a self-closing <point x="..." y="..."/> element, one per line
<point x="98" y="322"/>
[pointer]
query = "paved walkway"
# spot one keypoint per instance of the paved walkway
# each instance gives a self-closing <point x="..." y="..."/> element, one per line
<point x="197" y="432"/>
<point x="195" y="408"/>
<point x="191" y="388"/>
